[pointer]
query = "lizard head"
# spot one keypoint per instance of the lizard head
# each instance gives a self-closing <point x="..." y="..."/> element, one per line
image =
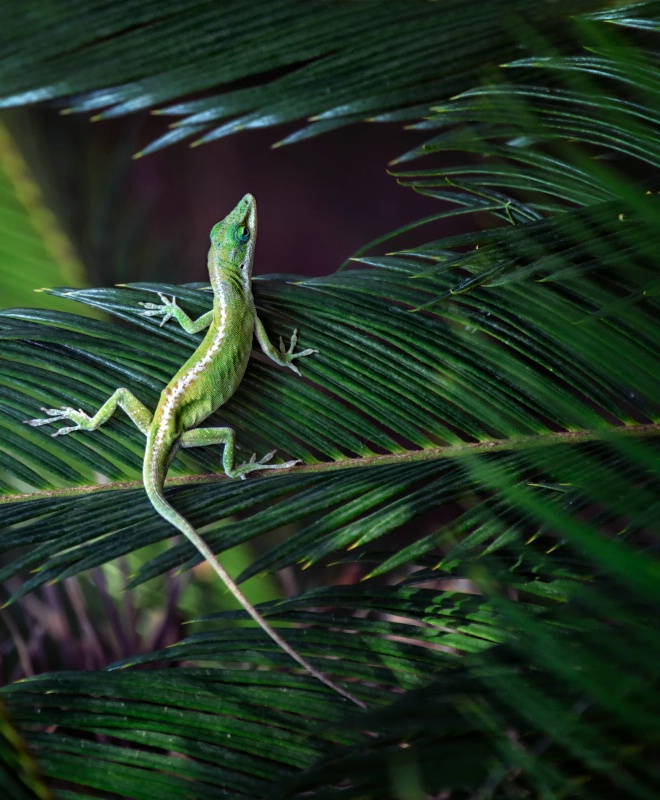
<point x="232" y="243"/>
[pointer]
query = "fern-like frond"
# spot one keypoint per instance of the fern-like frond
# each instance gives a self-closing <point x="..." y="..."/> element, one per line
<point x="273" y="62"/>
<point x="479" y="438"/>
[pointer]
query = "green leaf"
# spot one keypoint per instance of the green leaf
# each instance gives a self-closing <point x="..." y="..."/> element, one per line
<point x="478" y="432"/>
<point x="20" y="777"/>
<point x="33" y="248"/>
<point x="331" y="62"/>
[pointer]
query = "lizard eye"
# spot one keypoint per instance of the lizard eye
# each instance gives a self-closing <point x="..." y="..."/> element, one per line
<point x="242" y="233"/>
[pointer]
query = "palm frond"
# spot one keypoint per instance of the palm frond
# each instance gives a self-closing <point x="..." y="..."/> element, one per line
<point x="479" y="432"/>
<point x="328" y="62"/>
<point x="470" y="378"/>
<point x="19" y="775"/>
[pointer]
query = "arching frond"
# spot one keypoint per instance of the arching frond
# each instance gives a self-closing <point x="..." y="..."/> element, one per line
<point x="479" y="438"/>
<point x="334" y="59"/>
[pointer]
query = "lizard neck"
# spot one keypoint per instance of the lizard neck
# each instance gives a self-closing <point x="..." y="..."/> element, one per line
<point x="230" y="291"/>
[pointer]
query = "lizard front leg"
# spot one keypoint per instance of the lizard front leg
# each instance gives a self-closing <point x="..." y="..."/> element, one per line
<point x="138" y="413"/>
<point x="283" y="357"/>
<point x="168" y="309"/>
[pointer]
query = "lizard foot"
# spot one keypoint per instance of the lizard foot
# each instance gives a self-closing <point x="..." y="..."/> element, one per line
<point x="253" y="465"/>
<point x="167" y="309"/>
<point x="287" y="355"/>
<point x="56" y="414"/>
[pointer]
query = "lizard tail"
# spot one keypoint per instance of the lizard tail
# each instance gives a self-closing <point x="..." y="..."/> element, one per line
<point x="153" y="483"/>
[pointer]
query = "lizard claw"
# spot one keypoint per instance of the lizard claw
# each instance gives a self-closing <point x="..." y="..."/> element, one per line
<point x="63" y="431"/>
<point x="288" y="464"/>
<point x="287" y="353"/>
<point x="267" y="457"/>
<point x="294" y="341"/>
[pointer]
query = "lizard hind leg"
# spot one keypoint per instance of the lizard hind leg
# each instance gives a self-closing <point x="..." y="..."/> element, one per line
<point x="201" y="437"/>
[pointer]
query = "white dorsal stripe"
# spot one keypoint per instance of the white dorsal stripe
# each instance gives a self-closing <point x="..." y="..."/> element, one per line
<point x="176" y="391"/>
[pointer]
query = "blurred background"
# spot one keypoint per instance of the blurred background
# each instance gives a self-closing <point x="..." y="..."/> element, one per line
<point x="149" y="218"/>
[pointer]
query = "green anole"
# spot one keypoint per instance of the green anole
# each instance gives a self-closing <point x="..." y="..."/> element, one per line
<point x="204" y="383"/>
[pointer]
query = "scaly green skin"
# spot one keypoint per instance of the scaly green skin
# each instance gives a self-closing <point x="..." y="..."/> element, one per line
<point x="204" y="383"/>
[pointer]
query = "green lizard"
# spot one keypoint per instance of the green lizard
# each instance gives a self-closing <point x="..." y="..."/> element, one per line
<point x="204" y="383"/>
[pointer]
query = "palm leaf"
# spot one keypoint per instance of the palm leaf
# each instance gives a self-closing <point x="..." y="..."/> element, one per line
<point x="19" y="775"/>
<point x="334" y="58"/>
<point x="479" y="438"/>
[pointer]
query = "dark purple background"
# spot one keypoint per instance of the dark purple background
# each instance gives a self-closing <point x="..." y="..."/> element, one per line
<point x="318" y="200"/>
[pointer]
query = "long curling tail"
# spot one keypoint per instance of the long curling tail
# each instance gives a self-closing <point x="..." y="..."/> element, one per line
<point x="153" y="484"/>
